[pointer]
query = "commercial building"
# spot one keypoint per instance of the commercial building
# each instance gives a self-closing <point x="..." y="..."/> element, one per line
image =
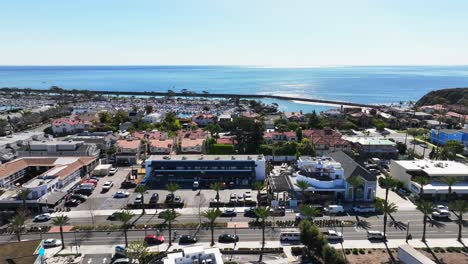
<point x="192" y="255"/>
<point x="11" y="143"/>
<point x="58" y="149"/>
<point x="327" y="177"/>
<point x="443" y="135"/>
<point x="103" y="140"/>
<point x="434" y="170"/>
<point x="375" y="147"/>
<point x="239" y="169"/>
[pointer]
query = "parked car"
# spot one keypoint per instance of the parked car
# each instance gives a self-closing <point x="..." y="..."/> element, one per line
<point x="94" y="182"/>
<point x="231" y="185"/>
<point x="138" y="199"/>
<point x="154" y="198"/>
<point x="153" y="239"/>
<point x="373" y="234"/>
<point x="121" y="194"/>
<point x="333" y="235"/>
<point x="127" y="184"/>
<point x="364" y="209"/>
<point x="280" y="211"/>
<point x="114" y="216"/>
<point x="248" y="196"/>
<point x="185" y="239"/>
<point x="441" y="207"/>
<point x="229" y="212"/>
<point x="334" y="209"/>
<point x="42" y="218"/>
<point x="122" y="261"/>
<point x="72" y="203"/>
<point x="79" y="197"/>
<point x="51" y="242"/>
<point x="169" y="198"/>
<point x="228" y="238"/>
<point x="240" y="198"/>
<point x="94" y="178"/>
<point x="233" y="198"/>
<point x="113" y="171"/>
<point x="107" y="186"/>
<point x="292" y="236"/>
<point x="250" y="212"/>
<point x="177" y="199"/>
<point x="196" y="185"/>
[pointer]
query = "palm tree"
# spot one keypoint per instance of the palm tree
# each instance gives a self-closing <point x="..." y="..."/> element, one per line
<point x="303" y="186"/>
<point x="125" y="216"/>
<point x="23" y="195"/>
<point x="169" y="216"/>
<point x="460" y="207"/>
<point x="425" y="207"/>
<point x="387" y="183"/>
<point x="421" y="180"/>
<point x="16" y="225"/>
<point x="141" y="189"/>
<point x="259" y="186"/>
<point x="262" y="213"/>
<point x="211" y="215"/>
<point x="387" y="209"/>
<point x="217" y="186"/>
<point x="450" y="181"/>
<point x="61" y="221"/>
<point x="355" y="182"/>
<point x="172" y="188"/>
<point x="309" y="211"/>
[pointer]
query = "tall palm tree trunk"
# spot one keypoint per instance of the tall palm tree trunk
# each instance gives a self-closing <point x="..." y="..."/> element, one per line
<point x="460" y="223"/>
<point x="125" y="234"/>
<point x="212" y="233"/>
<point x="143" y="203"/>
<point x="170" y="233"/>
<point x="18" y="235"/>
<point x="424" y="229"/>
<point x="61" y="237"/>
<point x="385" y="214"/>
<point x="217" y="200"/>
<point x="263" y="240"/>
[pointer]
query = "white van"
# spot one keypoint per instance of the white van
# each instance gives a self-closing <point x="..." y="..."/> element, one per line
<point x="334" y="209"/>
<point x="290" y="237"/>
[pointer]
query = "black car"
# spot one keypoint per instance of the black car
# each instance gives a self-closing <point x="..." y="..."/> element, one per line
<point x="128" y="184"/>
<point x="79" y="197"/>
<point x="250" y="212"/>
<point x="154" y="198"/>
<point x="114" y="216"/>
<point x="229" y="213"/>
<point x="72" y="203"/>
<point x="228" y="238"/>
<point x="169" y="197"/>
<point x="187" y="239"/>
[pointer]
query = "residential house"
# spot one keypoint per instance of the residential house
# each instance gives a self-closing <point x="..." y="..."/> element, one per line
<point x="204" y="119"/>
<point x="128" y="151"/>
<point x="443" y="135"/>
<point x="161" y="146"/>
<point x="275" y="137"/>
<point x="154" y="118"/>
<point x="295" y="116"/>
<point x="69" y="126"/>
<point x="326" y="140"/>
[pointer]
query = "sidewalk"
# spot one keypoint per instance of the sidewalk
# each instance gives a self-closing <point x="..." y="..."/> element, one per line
<point x="394" y="243"/>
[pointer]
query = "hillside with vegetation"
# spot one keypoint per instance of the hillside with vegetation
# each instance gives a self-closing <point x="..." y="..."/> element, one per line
<point x="452" y="96"/>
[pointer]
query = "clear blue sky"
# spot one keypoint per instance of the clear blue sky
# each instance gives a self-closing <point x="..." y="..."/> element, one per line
<point x="224" y="32"/>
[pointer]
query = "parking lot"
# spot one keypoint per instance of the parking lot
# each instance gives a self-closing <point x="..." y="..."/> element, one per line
<point x="100" y="200"/>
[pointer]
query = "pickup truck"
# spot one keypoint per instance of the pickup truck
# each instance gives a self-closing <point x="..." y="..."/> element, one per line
<point x="333" y="235"/>
<point x="364" y="209"/>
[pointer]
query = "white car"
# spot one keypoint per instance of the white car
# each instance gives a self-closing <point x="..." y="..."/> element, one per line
<point x="334" y="209"/>
<point x="441" y="207"/>
<point x="107" y="186"/>
<point x="113" y="171"/>
<point x="52" y="242"/>
<point x="374" y="234"/>
<point x="196" y="185"/>
<point x="248" y="196"/>
<point x="441" y="213"/>
<point x="42" y="217"/>
<point x="333" y="235"/>
<point x="233" y="198"/>
<point x="121" y="194"/>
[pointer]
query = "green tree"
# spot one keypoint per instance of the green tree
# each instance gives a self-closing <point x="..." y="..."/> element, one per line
<point x="309" y="211"/>
<point x="355" y="182"/>
<point x="331" y="255"/>
<point x="217" y="186"/>
<point x="23" y="195"/>
<point x="313" y="120"/>
<point x="105" y="117"/>
<point x="169" y="216"/>
<point x="303" y="186"/>
<point x="60" y="221"/>
<point x="460" y="207"/>
<point x="299" y="134"/>
<point x="387" y="209"/>
<point x="293" y="126"/>
<point x="413" y="132"/>
<point x="138" y="250"/>
<point x="214" y="129"/>
<point x="125" y="217"/>
<point x="450" y="150"/>
<point x="425" y="207"/>
<point x="258" y="186"/>
<point x="16" y="225"/>
<point x="450" y="181"/>
<point x="212" y="215"/>
<point x="262" y="213"/>
<point x="312" y="237"/>
<point x="141" y="189"/>
<point x="421" y="180"/>
<point x="148" y="109"/>
<point x="306" y="148"/>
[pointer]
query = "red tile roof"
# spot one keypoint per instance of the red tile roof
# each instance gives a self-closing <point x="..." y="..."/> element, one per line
<point x="328" y="137"/>
<point x="58" y="122"/>
<point x="128" y="144"/>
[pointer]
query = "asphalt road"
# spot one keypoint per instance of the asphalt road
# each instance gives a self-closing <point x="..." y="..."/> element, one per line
<point x="440" y="229"/>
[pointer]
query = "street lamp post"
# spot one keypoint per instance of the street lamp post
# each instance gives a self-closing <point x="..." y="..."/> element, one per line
<point x="40" y="232"/>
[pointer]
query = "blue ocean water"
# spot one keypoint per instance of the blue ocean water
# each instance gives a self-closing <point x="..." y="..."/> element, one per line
<point x="370" y="84"/>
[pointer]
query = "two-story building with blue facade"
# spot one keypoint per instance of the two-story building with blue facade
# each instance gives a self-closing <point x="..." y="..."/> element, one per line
<point x="444" y="135"/>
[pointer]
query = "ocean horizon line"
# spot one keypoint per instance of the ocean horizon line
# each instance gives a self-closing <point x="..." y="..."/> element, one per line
<point x="237" y="65"/>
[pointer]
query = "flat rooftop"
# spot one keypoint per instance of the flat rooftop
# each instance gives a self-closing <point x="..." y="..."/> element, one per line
<point x="206" y="157"/>
<point x="435" y="167"/>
